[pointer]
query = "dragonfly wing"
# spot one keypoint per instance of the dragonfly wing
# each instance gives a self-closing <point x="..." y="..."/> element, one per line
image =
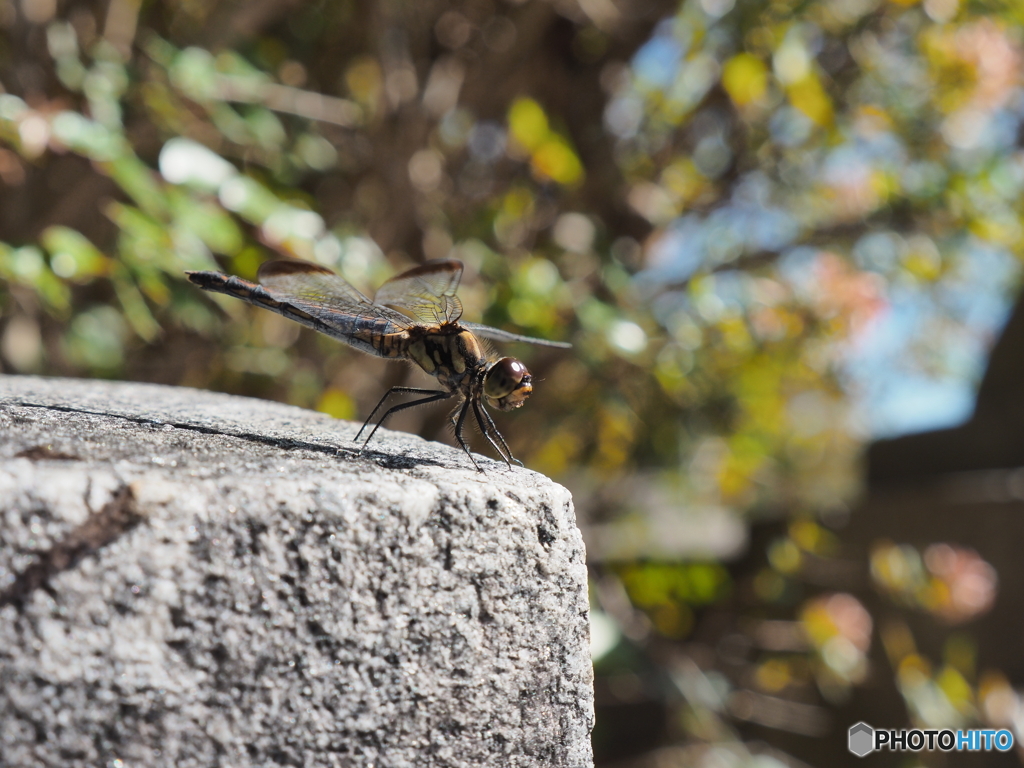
<point x="315" y="297"/>
<point x="426" y="292"/>
<point x="344" y="312"/>
<point x="496" y="334"/>
<point x="310" y="281"/>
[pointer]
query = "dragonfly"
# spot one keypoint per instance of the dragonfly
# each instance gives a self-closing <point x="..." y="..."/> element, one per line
<point x="415" y="317"/>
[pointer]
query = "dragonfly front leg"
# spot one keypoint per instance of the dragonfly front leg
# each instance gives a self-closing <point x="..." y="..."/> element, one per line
<point x="434" y="397"/>
<point x="458" y="433"/>
<point x="389" y="393"/>
<point x="488" y="428"/>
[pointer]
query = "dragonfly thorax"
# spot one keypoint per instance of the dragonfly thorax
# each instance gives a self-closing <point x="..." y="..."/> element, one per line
<point x="460" y="363"/>
<point x="452" y="357"/>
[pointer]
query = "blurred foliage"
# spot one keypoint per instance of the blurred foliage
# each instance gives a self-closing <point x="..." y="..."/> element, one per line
<point x="712" y="200"/>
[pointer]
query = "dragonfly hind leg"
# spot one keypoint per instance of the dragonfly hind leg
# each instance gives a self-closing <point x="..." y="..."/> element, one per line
<point x="389" y="393"/>
<point x="433" y="396"/>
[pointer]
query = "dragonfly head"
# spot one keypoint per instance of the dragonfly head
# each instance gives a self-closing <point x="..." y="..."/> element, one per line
<point x="507" y="384"/>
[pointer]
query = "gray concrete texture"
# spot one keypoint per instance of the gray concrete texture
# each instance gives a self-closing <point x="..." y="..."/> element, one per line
<point x="193" y="579"/>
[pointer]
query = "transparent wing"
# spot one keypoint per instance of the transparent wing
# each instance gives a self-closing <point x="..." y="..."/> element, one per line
<point x="426" y="292"/>
<point x="325" y="295"/>
<point x="318" y="299"/>
<point x="496" y="334"/>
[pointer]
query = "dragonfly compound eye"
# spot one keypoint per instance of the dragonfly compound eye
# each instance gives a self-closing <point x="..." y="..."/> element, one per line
<point x="507" y="384"/>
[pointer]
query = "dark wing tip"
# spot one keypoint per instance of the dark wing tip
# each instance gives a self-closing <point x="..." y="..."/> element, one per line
<point x="432" y="267"/>
<point x="439" y="262"/>
<point x="289" y="267"/>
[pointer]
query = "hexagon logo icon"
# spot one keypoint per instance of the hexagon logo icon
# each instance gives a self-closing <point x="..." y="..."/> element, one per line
<point x="861" y="739"/>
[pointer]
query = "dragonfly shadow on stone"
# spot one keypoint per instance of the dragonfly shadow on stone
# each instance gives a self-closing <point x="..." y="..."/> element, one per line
<point x="396" y="460"/>
<point x="415" y="317"/>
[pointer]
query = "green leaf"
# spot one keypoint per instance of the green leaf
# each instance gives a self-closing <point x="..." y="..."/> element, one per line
<point x="72" y="255"/>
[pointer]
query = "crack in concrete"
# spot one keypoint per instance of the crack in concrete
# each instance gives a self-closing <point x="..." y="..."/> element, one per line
<point x="45" y="453"/>
<point x="274" y="442"/>
<point x="388" y="461"/>
<point x="118" y="516"/>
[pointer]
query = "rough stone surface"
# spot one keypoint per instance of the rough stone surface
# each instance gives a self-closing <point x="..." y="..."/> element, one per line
<point x="193" y="579"/>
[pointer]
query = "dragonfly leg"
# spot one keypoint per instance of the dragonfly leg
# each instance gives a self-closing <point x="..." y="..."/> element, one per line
<point x="493" y="428"/>
<point x="389" y="393"/>
<point x="458" y="433"/>
<point x="434" y="397"/>
<point x="487" y="428"/>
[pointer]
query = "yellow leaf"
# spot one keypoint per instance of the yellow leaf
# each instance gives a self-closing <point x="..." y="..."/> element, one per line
<point x="809" y="97"/>
<point x="745" y="78"/>
<point x="364" y="79"/>
<point x="336" y="403"/>
<point x="528" y="124"/>
<point x="555" y="160"/>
